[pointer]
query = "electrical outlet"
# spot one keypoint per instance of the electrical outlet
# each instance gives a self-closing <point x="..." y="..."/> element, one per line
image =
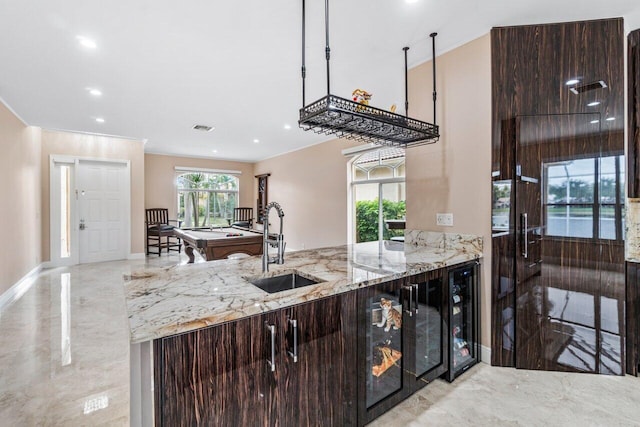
<point x="445" y="219"/>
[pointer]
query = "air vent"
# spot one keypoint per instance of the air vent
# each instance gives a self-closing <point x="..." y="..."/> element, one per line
<point x="589" y="86"/>
<point x="203" y="128"/>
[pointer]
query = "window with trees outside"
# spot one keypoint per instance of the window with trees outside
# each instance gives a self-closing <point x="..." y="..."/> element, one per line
<point x="206" y="199"/>
<point x="378" y="194"/>
<point x="585" y="198"/>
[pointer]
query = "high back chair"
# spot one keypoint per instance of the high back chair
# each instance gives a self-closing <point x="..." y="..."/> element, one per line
<point x="158" y="228"/>
<point x="242" y="217"/>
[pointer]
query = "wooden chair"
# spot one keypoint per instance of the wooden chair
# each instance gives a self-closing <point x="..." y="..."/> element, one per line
<point x="242" y="217"/>
<point x="158" y="227"/>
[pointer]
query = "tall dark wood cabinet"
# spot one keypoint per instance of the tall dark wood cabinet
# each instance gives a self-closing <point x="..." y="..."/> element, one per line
<point x="633" y="318"/>
<point x="557" y="123"/>
<point x="633" y="269"/>
<point x="288" y="367"/>
<point x="633" y="73"/>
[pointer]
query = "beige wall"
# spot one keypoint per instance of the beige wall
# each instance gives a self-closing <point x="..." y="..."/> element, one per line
<point x="96" y="147"/>
<point x="311" y="186"/>
<point x="160" y="175"/>
<point x="454" y="175"/>
<point x="20" y="195"/>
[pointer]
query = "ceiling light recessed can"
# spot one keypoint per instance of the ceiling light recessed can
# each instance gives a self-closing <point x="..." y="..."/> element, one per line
<point x="99" y="120"/>
<point x="203" y="128"/>
<point x="572" y="82"/>
<point x="593" y="104"/>
<point x="255" y="141"/>
<point x="95" y="92"/>
<point x="214" y="151"/>
<point x="86" y="42"/>
<point x="610" y="119"/>
<point x="594" y="121"/>
<point x="287" y="127"/>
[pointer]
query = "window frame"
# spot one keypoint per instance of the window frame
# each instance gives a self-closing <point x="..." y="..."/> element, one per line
<point x="209" y="191"/>
<point x="596" y="204"/>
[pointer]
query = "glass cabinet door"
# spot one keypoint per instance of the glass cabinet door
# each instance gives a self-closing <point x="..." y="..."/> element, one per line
<point x="462" y="322"/>
<point x="429" y="320"/>
<point x="384" y="342"/>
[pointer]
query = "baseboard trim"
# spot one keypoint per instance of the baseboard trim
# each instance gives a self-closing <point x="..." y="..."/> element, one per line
<point x="16" y="291"/>
<point x="140" y="255"/>
<point x="485" y="354"/>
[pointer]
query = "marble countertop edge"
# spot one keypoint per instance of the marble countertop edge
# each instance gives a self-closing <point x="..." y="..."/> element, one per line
<point x="169" y="301"/>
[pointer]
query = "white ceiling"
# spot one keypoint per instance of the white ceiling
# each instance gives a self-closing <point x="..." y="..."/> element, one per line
<point x="164" y="66"/>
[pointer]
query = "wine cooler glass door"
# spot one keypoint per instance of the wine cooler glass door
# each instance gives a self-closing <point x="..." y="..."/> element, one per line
<point x="384" y="361"/>
<point x="429" y="326"/>
<point x="462" y="319"/>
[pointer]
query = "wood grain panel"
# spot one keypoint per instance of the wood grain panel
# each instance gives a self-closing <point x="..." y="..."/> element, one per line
<point x="318" y="389"/>
<point x="633" y="316"/>
<point x="633" y="73"/>
<point x="530" y="65"/>
<point x="215" y="376"/>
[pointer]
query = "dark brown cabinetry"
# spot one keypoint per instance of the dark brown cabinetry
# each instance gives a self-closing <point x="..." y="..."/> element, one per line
<point x="402" y="340"/>
<point x="633" y="317"/>
<point x="287" y="367"/>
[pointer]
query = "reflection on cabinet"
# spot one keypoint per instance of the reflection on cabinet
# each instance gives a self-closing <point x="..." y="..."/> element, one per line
<point x="287" y="367"/>
<point x="402" y="340"/>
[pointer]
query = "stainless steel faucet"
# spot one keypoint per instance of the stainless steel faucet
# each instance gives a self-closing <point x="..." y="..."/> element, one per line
<point x="275" y="241"/>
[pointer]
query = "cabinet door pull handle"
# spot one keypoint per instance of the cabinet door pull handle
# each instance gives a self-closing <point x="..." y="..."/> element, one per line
<point x="415" y="301"/>
<point x="408" y="310"/>
<point x="293" y="323"/>
<point x="525" y="234"/>
<point x="272" y="330"/>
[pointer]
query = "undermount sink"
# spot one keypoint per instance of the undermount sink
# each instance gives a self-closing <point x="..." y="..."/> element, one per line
<point x="283" y="282"/>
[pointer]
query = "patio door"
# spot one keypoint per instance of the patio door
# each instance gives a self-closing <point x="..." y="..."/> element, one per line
<point x="89" y="210"/>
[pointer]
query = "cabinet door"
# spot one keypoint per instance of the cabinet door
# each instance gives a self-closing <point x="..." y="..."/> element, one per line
<point x="318" y="361"/>
<point x="216" y="376"/>
<point x="381" y="349"/>
<point x="427" y="329"/>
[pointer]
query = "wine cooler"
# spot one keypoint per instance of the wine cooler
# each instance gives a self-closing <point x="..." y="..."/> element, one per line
<point x="464" y="331"/>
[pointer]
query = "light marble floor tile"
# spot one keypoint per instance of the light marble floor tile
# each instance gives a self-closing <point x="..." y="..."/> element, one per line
<point x="491" y="396"/>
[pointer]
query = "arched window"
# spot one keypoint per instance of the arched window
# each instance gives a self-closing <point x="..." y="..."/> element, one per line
<point x="377" y="195"/>
<point x="206" y="199"/>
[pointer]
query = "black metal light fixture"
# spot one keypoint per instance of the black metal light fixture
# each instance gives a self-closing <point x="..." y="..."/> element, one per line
<point x="343" y="118"/>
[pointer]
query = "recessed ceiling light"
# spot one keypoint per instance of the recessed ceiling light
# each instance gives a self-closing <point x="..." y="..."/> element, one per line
<point x="86" y="42"/>
<point x="594" y="121"/>
<point x="214" y="151"/>
<point x="610" y="119"/>
<point x="255" y="141"/>
<point x="411" y="1"/>
<point x="572" y="82"/>
<point x="593" y="104"/>
<point x="99" y="120"/>
<point x="287" y="127"/>
<point x="95" y="92"/>
<point x="203" y="128"/>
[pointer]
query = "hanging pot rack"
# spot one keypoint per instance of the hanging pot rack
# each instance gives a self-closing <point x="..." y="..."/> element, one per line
<point x="343" y="118"/>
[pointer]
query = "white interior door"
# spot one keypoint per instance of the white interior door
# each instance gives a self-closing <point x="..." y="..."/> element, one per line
<point x="103" y="211"/>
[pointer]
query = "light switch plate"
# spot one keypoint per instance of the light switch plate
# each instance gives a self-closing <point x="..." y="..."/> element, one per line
<point x="445" y="219"/>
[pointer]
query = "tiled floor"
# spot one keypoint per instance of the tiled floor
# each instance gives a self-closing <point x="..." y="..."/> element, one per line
<point x="64" y="360"/>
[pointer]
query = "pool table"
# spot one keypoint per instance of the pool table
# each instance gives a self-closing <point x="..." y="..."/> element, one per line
<point x="218" y="243"/>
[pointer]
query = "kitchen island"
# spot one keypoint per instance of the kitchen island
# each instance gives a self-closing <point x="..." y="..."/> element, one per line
<point x="169" y="305"/>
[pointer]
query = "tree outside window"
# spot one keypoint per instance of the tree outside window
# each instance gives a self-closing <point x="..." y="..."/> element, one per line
<point x="206" y="199"/>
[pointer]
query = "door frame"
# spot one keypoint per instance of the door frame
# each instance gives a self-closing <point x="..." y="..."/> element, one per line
<point x="54" y="211"/>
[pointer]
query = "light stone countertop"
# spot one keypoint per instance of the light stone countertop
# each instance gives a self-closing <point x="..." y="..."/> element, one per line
<point x="178" y="299"/>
